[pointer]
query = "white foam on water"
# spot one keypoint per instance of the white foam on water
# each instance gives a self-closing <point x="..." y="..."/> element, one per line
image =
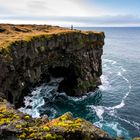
<point x="107" y="64"/>
<point x="112" y="126"/>
<point x="116" y="107"/>
<point x="105" y="83"/>
<point x="110" y="61"/>
<point x="54" y="112"/>
<point x="129" y="87"/>
<point x="99" y="124"/>
<point x="32" y="112"/>
<point x="115" y="126"/>
<point x="32" y="103"/>
<point x="124" y="70"/>
<point x="106" y="86"/>
<point x="137" y="125"/>
<point x="132" y="123"/>
<point x="99" y="111"/>
<point x="112" y="110"/>
<point x="119" y="73"/>
<point x="35" y="101"/>
<point x="73" y="98"/>
<point x="122" y="103"/>
<point x="77" y="98"/>
<point x="82" y="98"/>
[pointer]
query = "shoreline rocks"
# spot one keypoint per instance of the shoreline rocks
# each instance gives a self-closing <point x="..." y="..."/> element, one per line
<point x="18" y="125"/>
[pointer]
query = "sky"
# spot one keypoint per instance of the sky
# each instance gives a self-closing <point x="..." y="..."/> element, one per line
<point x="71" y="12"/>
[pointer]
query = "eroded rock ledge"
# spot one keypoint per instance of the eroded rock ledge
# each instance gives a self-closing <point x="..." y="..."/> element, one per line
<point x="30" y="54"/>
<point x="19" y="125"/>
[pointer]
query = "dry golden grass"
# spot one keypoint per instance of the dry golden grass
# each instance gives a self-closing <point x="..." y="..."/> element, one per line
<point x="10" y="33"/>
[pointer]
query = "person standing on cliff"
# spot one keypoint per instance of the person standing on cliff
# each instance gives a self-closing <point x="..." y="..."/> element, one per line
<point x="71" y="27"/>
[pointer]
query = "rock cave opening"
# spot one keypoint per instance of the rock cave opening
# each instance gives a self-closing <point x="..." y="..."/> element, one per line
<point x="70" y="78"/>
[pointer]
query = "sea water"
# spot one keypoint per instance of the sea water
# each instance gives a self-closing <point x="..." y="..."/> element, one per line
<point x="115" y="107"/>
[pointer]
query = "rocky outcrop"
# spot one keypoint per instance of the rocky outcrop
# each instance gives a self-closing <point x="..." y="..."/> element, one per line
<point x="32" y="55"/>
<point x="136" y="138"/>
<point x="18" y="125"/>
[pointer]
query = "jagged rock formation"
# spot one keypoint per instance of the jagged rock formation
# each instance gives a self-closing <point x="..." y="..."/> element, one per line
<point x="16" y="124"/>
<point x="31" y="54"/>
<point x="136" y="138"/>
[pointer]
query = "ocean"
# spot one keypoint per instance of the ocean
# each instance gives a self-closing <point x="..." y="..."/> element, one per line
<point x="115" y="107"/>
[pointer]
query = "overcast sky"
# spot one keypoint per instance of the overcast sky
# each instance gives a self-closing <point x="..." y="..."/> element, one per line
<point x="67" y="12"/>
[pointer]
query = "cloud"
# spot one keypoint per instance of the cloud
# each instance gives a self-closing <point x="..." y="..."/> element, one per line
<point x="63" y="12"/>
<point x="4" y="11"/>
<point x="38" y="7"/>
<point x="50" y="8"/>
<point x="36" y="4"/>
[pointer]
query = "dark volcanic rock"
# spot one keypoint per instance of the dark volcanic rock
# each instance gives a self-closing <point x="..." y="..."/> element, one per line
<point x="2" y="30"/>
<point x="31" y="54"/>
<point x="71" y="54"/>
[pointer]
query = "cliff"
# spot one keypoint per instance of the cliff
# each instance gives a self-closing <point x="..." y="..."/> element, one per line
<point x="31" y="54"/>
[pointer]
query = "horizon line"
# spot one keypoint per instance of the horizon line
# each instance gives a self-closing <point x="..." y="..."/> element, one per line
<point x="96" y="26"/>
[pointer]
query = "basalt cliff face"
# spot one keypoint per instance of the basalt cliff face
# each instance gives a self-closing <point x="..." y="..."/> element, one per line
<point x="31" y="54"/>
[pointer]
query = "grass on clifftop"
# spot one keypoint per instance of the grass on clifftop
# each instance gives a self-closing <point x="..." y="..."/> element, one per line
<point x="10" y="33"/>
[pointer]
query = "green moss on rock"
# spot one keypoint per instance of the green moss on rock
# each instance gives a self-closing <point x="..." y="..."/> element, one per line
<point x="64" y="127"/>
<point x="136" y="138"/>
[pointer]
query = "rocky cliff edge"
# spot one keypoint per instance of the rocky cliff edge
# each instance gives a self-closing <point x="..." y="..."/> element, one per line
<point x="29" y="56"/>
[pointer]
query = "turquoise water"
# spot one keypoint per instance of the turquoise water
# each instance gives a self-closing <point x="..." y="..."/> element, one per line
<point x="115" y="107"/>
